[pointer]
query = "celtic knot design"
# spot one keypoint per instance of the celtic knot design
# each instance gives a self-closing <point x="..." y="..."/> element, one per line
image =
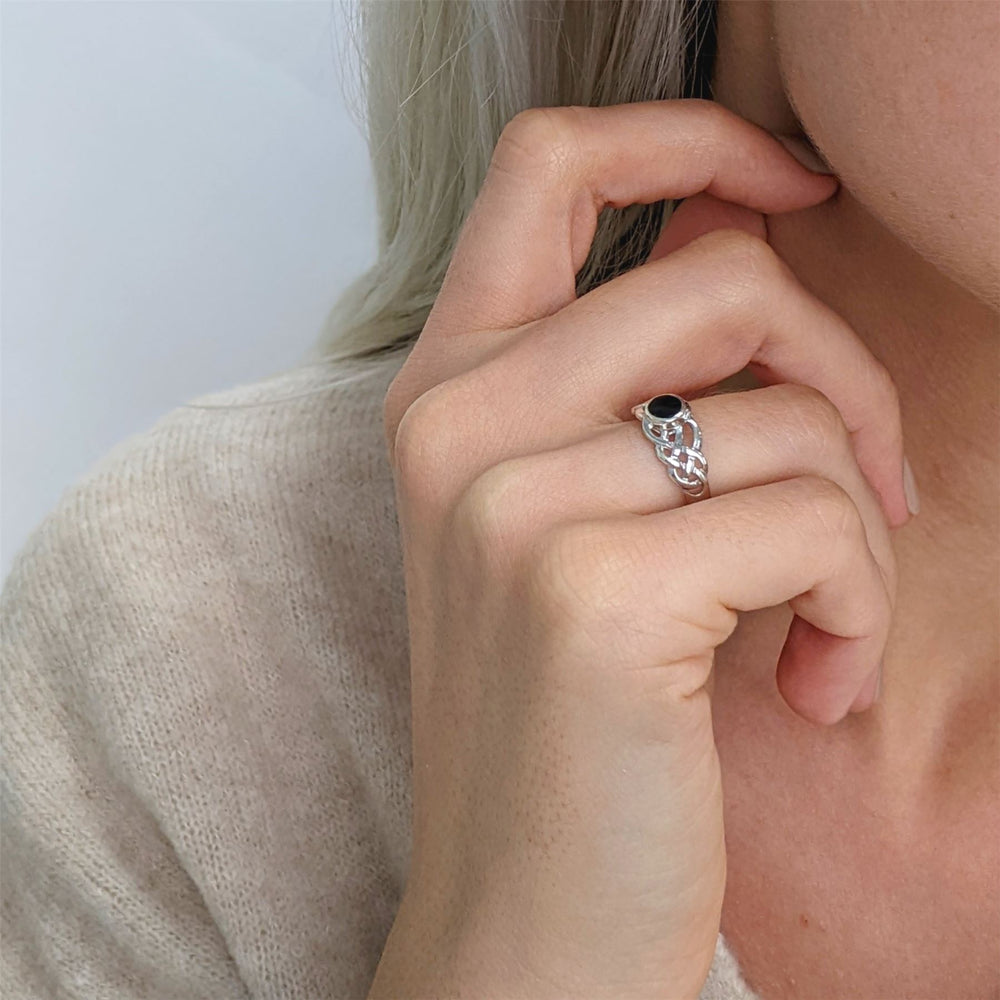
<point x="686" y="463"/>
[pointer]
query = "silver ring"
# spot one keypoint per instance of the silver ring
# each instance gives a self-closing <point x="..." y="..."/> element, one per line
<point x="665" y="419"/>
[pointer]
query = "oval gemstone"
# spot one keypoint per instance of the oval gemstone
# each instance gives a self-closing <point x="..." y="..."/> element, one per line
<point x="665" y="407"/>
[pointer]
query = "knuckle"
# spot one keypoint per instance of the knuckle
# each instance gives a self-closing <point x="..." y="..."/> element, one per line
<point x="832" y="512"/>
<point x="885" y="386"/>
<point x="744" y="254"/>
<point x="490" y="518"/>
<point x="875" y="614"/>
<point x="538" y="143"/>
<point x="739" y="267"/>
<point x="818" y="423"/>
<point x="424" y="445"/>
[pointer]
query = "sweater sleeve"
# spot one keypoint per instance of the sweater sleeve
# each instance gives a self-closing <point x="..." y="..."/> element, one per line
<point x="97" y="902"/>
<point x="205" y="717"/>
<point x="205" y="730"/>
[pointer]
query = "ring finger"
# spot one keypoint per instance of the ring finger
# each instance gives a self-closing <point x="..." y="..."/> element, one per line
<point x="749" y="438"/>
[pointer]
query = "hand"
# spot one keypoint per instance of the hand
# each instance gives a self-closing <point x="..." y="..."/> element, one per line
<point x="565" y="602"/>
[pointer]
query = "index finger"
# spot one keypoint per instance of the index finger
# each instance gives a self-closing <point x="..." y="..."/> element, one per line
<point x="554" y="170"/>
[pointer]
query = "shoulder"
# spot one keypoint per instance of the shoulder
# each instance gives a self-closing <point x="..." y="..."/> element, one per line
<point x="246" y="538"/>
<point x="238" y="483"/>
<point x="205" y="669"/>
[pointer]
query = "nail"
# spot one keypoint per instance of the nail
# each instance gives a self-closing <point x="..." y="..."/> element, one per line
<point x="910" y="488"/>
<point x="804" y="153"/>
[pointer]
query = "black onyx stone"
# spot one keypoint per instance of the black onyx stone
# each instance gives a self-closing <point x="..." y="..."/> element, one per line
<point x="665" y="407"/>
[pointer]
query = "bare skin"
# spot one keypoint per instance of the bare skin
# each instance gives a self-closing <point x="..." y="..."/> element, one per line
<point x="893" y="886"/>
<point x="584" y="712"/>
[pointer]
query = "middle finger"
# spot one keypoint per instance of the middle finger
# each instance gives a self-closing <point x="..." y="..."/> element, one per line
<point x="750" y="438"/>
<point x="733" y="303"/>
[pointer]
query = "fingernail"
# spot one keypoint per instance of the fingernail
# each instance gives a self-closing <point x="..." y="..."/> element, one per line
<point x="804" y="153"/>
<point x="910" y="488"/>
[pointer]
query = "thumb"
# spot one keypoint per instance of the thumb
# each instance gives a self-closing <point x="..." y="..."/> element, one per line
<point x="700" y="214"/>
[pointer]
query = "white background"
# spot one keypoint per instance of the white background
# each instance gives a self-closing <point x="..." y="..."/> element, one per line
<point x="183" y="195"/>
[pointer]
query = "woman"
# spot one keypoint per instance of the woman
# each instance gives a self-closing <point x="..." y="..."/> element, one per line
<point x="216" y="645"/>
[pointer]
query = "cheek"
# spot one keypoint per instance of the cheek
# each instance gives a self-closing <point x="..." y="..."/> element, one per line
<point x="903" y="101"/>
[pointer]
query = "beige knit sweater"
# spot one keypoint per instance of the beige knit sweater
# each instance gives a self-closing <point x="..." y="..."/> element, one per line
<point x="206" y="726"/>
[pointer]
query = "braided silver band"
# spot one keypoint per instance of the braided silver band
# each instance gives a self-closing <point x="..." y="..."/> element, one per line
<point x="665" y="419"/>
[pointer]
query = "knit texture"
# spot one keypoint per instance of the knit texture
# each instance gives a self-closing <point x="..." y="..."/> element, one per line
<point x="206" y="717"/>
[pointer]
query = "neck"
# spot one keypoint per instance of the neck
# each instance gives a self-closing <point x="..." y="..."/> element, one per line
<point x="942" y="347"/>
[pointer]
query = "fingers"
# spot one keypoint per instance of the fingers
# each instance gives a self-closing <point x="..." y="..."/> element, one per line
<point x="658" y="593"/>
<point x="701" y="214"/>
<point x="555" y="169"/>
<point x="719" y="304"/>
<point x="750" y="438"/>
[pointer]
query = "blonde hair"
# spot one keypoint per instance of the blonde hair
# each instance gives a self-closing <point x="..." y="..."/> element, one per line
<point x="439" y="79"/>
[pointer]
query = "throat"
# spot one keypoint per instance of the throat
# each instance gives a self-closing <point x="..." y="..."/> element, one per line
<point x="843" y="880"/>
<point x="941" y="677"/>
<point x="942" y="347"/>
